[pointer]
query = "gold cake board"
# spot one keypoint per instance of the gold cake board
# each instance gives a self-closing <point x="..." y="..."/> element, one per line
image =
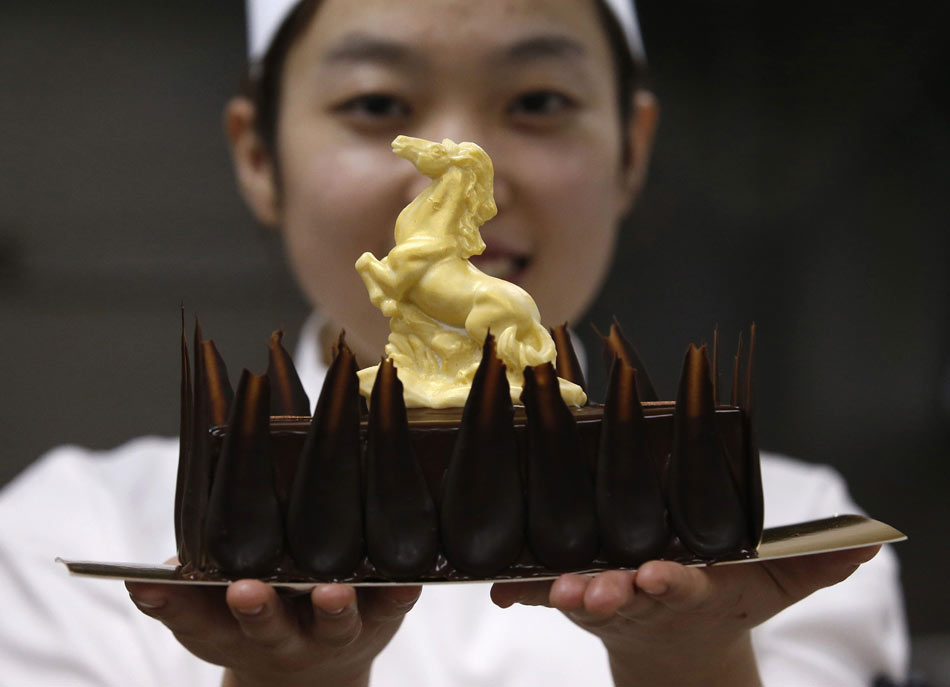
<point x="802" y="539"/>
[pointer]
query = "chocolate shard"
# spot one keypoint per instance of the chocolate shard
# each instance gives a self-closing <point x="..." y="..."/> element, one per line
<point x="482" y="514"/>
<point x="568" y="367"/>
<point x="243" y="527"/>
<point x="215" y="385"/>
<point x="562" y="525"/>
<point x="334" y="352"/>
<point x="705" y="507"/>
<point x="736" y="395"/>
<point x="401" y="527"/>
<point x="756" y="504"/>
<point x="287" y="393"/>
<point x="631" y="512"/>
<point x="211" y="401"/>
<point x="338" y="344"/>
<point x="324" y="517"/>
<point x="184" y="445"/>
<point x="616" y="345"/>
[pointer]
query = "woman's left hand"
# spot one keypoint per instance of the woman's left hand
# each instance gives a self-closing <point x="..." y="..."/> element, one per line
<point x="669" y="624"/>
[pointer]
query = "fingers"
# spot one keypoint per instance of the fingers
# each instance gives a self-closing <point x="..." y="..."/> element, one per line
<point x="858" y="556"/>
<point x="600" y="595"/>
<point x="382" y="605"/>
<point x="568" y="591"/>
<point x="799" y="577"/>
<point x="196" y="612"/>
<point x="336" y="617"/>
<point x="599" y="600"/>
<point x="251" y="610"/>
<point x="506" y="594"/>
<point x="261" y="615"/>
<point x="340" y="615"/>
<point x="761" y="589"/>
<point x="674" y="585"/>
<point x="609" y="592"/>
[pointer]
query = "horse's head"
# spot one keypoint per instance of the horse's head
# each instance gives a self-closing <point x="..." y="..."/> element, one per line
<point x="434" y="159"/>
<point x="429" y="157"/>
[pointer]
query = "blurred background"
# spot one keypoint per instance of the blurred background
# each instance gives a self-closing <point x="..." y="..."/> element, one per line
<point x="799" y="181"/>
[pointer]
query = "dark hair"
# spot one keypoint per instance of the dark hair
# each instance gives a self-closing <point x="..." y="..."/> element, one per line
<point x="262" y="82"/>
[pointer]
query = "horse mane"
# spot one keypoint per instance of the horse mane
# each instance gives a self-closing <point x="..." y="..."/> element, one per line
<point x="478" y="193"/>
<point x="434" y="160"/>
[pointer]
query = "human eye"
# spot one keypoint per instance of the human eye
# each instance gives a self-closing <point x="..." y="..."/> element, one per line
<point x="374" y="110"/>
<point x="540" y="105"/>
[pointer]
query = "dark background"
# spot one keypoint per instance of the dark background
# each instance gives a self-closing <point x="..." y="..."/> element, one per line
<point x="799" y="180"/>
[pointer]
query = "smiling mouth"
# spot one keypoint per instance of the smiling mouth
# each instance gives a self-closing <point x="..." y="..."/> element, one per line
<point x="509" y="267"/>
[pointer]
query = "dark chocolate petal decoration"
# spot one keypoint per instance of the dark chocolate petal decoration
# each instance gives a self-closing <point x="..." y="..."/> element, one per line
<point x="184" y="445"/>
<point x="211" y="399"/>
<point x="567" y="365"/>
<point x="324" y="518"/>
<point x="216" y="386"/>
<point x="483" y="505"/>
<point x="756" y="507"/>
<point x="334" y="352"/>
<point x="616" y="345"/>
<point x="705" y="507"/>
<point x="736" y="395"/>
<point x="562" y="525"/>
<point x="244" y="527"/>
<point x="631" y="512"/>
<point x="287" y="395"/>
<point x="679" y="482"/>
<point x="401" y="526"/>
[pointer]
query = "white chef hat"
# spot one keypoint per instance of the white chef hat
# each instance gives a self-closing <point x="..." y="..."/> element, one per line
<point x="264" y="17"/>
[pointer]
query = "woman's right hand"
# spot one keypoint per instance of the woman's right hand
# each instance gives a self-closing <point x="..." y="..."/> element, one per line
<point x="329" y="636"/>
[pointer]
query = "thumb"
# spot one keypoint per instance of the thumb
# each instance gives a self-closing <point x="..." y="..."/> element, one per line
<point x="798" y="577"/>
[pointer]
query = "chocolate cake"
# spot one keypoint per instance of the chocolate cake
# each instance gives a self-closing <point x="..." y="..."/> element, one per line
<point x="489" y="491"/>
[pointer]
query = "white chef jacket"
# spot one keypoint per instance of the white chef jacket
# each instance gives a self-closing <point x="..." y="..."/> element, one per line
<point x="117" y="506"/>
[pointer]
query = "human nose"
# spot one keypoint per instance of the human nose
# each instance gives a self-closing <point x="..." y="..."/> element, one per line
<point x="502" y="188"/>
<point x="467" y="122"/>
<point x="455" y="122"/>
<point x="459" y="126"/>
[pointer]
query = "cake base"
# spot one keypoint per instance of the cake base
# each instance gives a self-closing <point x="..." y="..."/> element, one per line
<point x="433" y="433"/>
<point x="494" y="490"/>
<point x="802" y="539"/>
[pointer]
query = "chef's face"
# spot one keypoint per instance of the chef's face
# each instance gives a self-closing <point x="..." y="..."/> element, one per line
<point x="531" y="81"/>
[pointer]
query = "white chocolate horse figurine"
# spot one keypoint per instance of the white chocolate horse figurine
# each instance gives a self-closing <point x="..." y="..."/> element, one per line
<point x="441" y="306"/>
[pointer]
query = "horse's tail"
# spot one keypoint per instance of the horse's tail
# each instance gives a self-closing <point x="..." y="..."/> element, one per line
<point x="520" y="349"/>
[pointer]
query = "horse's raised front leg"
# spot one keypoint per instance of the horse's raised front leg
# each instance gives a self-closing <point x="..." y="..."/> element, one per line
<point x="377" y="277"/>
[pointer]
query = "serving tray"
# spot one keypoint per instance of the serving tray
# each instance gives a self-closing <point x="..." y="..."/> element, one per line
<point x="801" y="539"/>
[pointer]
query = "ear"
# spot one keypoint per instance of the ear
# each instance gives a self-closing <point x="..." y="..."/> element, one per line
<point x="253" y="162"/>
<point x="645" y="113"/>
